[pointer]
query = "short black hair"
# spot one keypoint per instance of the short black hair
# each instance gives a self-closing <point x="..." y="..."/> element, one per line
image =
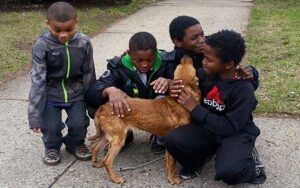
<point x="178" y="26"/>
<point x="229" y="45"/>
<point x="142" y="41"/>
<point x="61" y="12"/>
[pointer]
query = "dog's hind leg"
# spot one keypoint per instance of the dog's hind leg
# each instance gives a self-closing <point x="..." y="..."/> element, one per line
<point x="170" y="165"/>
<point x="115" y="146"/>
<point x="96" y="147"/>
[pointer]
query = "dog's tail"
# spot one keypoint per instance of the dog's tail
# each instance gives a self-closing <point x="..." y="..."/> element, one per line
<point x="99" y="132"/>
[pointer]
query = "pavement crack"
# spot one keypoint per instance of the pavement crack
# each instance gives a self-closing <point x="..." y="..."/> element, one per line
<point x="13" y="99"/>
<point x="61" y="174"/>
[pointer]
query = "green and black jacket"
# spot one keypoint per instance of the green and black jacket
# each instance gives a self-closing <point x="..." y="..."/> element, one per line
<point x="60" y="74"/>
<point x="121" y="74"/>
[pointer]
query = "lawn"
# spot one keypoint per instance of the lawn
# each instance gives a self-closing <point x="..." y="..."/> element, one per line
<point x="273" y="39"/>
<point x="22" y="24"/>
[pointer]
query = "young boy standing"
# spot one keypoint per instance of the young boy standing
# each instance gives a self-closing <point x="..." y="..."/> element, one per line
<point x="62" y="70"/>
<point x="222" y="123"/>
<point x="139" y="73"/>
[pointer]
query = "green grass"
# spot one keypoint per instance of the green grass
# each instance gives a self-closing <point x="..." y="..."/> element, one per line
<point x="273" y="38"/>
<point x="20" y="27"/>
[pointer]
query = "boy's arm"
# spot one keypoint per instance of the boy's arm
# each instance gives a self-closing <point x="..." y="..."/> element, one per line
<point x="250" y="73"/>
<point x="37" y="94"/>
<point x="255" y="81"/>
<point x="233" y="121"/>
<point x="89" y="71"/>
<point x="93" y="95"/>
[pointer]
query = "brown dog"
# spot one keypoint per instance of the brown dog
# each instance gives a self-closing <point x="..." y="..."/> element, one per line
<point x="157" y="116"/>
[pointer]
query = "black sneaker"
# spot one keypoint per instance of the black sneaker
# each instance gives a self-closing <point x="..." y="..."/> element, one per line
<point x="158" y="146"/>
<point x="259" y="169"/>
<point x="51" y="157"/>
<point x="81" y="152"/>
<point x="188" y="175"/>
<point x="128" y="141"/>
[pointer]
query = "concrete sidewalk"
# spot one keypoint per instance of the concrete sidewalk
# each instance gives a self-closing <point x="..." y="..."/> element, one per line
<point x="21" y="150"/>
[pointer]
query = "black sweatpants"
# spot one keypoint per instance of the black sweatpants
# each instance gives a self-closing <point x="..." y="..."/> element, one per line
<point x="77" y="123"/>
<point x="191" y="144"/>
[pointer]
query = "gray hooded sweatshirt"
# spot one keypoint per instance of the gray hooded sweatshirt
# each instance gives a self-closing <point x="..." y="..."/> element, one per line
<point x="60" y="73"/>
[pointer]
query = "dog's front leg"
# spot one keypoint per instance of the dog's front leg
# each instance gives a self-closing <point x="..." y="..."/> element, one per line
<point x="170" y="164"/>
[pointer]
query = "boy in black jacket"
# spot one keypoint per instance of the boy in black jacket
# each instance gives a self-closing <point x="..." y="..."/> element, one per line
<point x="222" y="123"/>
<point x="62" y="70"/>
<point x="137" y="74"/>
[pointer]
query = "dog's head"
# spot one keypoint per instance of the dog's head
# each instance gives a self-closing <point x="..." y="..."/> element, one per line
<point x="186" y="72"/>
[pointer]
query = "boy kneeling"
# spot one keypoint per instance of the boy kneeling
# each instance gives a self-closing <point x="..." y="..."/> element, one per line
<point x="222" y="123"/>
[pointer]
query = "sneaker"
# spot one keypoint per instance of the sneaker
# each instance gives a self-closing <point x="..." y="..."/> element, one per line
<point x="81" y="152"/>
<point x="188" y="175"/>
<point x="51" y="157"/>
<point x="259" y="169"/>
<point x="158" y="146"/>
<point x="128" y="141"/>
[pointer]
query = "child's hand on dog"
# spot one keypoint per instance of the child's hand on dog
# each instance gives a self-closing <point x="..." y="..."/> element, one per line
<point x="37" y="130"/>
<point x="117" y="101"/>
<point x="175" y="88"/>
<point x="160" y="85"/>
<point x="187" y="100"/>
<point x="244" y="72"/>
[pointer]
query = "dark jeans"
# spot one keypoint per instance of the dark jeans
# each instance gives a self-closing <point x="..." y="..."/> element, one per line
<point x="77" y="123"/>
<point x="191" y="144"/>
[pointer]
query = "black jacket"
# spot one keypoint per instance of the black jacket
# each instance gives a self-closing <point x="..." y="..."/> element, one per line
<point x="226" y="106"/>
<point x="121" y="74"/>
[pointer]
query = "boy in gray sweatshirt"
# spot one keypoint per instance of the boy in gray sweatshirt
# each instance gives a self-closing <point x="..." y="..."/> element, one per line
<point x="62" y="70"/>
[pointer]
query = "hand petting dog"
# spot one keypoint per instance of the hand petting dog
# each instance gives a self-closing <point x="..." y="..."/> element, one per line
<point x="117" y="100"/>
<point x="184" y="95"/>
<point x="161" y="85"/>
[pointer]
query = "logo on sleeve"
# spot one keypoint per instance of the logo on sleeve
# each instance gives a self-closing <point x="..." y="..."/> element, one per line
<point x="105" y="74"/>
<point x="213" y="99"/>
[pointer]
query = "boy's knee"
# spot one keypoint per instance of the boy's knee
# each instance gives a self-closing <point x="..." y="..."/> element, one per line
<point x="170" y="140"/>
<point x="173" y="140"/>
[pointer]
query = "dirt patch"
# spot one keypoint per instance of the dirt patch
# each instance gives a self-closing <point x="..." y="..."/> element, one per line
<point x="5" y="77"/>
<point x="25" y="45"/>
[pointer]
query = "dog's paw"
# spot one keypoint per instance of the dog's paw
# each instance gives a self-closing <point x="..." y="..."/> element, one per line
<point x="117" y="179"/>
<point x="174" y="180"/>
<point x="97" y="164"/>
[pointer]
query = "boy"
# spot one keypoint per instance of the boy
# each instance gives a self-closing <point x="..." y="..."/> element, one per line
<point x="62" y="69"/>
<point x="139" y="73"/>
<point x="222" y="123"/>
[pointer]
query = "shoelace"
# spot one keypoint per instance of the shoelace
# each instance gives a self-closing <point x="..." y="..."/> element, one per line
<point x="82" y="150"/>
<point x="52" y="153"/>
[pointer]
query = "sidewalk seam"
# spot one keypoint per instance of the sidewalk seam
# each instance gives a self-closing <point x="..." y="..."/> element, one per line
<point x="61" y="174"/>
